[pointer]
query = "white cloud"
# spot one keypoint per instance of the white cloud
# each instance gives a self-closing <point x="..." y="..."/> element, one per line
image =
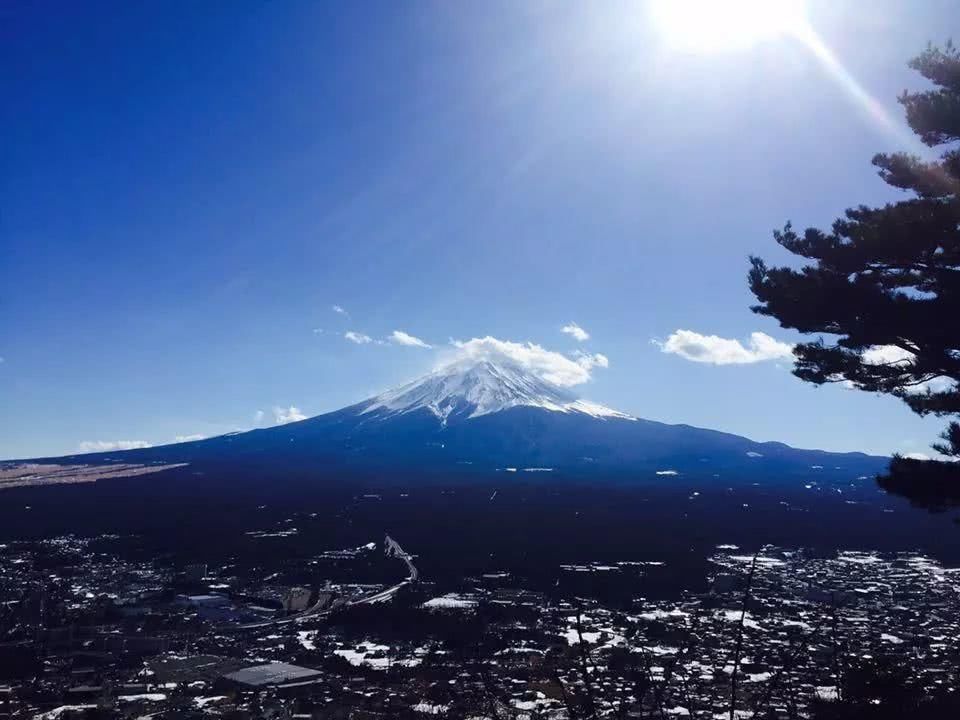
<point x="716" y="350"/>
<point x="339" y="310"/>
<point x="935" y="385"/>
<point x="318" y="331"/>
<point x="893" y="355"/>
<point x="110" y="445"/>
<point x="552" y="366"/>
<point x="402" y="338"/>
<point x="258" y="417"/>
<point x="282" y="416"/>
<point x="886" y="355"/>
<point x="576" y="331"/>
<point x="917" y="456"/>
<point x="189" y="438"/>
<point x="358" y="338"/>
<point x="588" y="361"/>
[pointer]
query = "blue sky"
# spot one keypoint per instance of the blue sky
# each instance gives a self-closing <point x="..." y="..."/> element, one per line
<point x="190" y="188"/>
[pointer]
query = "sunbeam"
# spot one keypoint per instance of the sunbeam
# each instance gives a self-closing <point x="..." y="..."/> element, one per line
<point x="805" y="33"/>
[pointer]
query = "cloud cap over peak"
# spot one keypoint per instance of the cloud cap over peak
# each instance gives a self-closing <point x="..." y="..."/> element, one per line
<point x="546" y="364"/>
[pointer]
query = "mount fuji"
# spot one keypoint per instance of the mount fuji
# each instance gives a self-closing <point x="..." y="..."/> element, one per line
<point x="471" y="388"/>
<point x="487" y="415"/>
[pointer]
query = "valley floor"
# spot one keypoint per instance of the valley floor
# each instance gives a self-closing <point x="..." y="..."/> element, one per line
<point x="515" y="600"/>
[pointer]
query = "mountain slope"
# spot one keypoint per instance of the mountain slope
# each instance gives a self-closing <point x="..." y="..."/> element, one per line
<point x="482" y="416"/>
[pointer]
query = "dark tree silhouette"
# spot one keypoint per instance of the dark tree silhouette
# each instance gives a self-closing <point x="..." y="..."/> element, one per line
<point x="886" y="689"/>
<point x="884" y="284"/>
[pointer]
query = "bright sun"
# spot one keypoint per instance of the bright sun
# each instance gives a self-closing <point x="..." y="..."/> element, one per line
<point x="716" y="25"/>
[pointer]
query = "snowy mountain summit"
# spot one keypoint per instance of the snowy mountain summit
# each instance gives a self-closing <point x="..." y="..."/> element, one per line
<point x="472" y="387"/>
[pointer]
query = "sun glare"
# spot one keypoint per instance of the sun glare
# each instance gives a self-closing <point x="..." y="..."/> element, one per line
<point x="719" y="25"/>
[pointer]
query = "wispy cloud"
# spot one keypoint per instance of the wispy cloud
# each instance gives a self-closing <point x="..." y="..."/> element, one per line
<point x="258" y="417"/>
<point x="318" y="331"/>
<point x="716" y="350"/>
<point x="189" y="438"/>
<point x="401" y="338"/>
<point x="340" y="310"/>
<point x="590" y="361"/>
<point x="88" y="446"/>
<point x="358" y="338"/>
<point x="282" y="416"/>
<point x="552" y="366"/>
<point x="577" y="332"/>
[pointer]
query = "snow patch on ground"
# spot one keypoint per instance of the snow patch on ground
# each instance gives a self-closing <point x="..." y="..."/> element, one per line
<point x="735" y="615"/>
<point x="430" y="709"/>
<point x="204" y="701"/>
<point x="450" y="601"/>
<point x="658" y="614"/>
<point x="858" y="558"/>
<point x="826" y="692"/>
<point x="762" y="560"/>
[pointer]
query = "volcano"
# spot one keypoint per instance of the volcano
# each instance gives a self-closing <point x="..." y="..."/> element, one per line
<point x="483" y="415"/>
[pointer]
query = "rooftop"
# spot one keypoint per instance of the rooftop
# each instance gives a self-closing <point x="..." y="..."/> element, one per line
<point x="274" y="673"/>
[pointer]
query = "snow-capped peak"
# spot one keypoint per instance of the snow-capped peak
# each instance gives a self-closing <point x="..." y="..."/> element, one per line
<point x="472" y="387"/>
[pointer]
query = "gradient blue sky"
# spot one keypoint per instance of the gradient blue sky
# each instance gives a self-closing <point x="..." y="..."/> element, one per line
<point x="189" y="188"/>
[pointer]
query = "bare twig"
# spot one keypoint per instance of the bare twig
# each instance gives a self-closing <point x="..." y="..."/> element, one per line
<point x="738" y="649"/>
<point x="585" y="667"/>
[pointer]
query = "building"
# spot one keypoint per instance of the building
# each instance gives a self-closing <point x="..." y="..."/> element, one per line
<point x="272" y="674"/>
<point x="297" y="600"/>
